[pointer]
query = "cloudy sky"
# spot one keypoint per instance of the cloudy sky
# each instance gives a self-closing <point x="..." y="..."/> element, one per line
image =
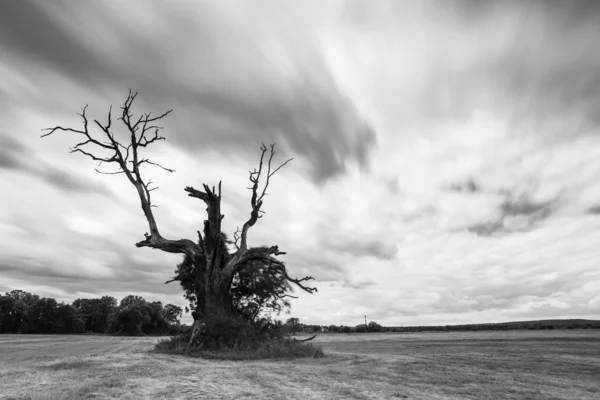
<point x="446" y="154"/>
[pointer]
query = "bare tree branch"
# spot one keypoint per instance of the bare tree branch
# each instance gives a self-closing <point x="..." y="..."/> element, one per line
<point x="93" y="157"/>
<point x="84" y="132"/>
<point x="256" y="200"/>
<point x="298" y="282"/>
<point x="178" y="280"/>
<point x="121" y="155"/>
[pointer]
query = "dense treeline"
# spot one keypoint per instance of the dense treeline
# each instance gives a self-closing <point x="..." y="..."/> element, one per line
<point x="23" y="312"/>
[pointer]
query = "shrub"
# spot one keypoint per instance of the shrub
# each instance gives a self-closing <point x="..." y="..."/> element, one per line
<point x="275" y="348"/>
<point x="230" y="337"/>
<point x="223" y="332"/>
<point x="286" y="348"/>
<point x="374" y="327"/>
<point x="175" y="344"/>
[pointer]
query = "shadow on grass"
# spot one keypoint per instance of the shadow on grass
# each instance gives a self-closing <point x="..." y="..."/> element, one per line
<point x="101" y="388"/>
<point x="66" y="365"/>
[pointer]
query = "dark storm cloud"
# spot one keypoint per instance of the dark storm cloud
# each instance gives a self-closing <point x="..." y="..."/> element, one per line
<point x="470" y="186"/>
<point x="28" y="29"/>
<point x="538" y="63"/>
<point x="488" y="228"/>
<point x="322" y="267"/>
<point x="99" y="286"/>
<point x="594" y="210"/>
<point x="527" y="207"/>
<point x="14" y="155"/>
<point x="64" y="180"/>
<point x="20" y="268"/>
<point x="11" y="152"/>
<point x="517" y="214"/>
<point x="475" y="10"/>
<point x="311" y="121"/>
<point x="124" y="273"/>
<point x="225" y="90"/>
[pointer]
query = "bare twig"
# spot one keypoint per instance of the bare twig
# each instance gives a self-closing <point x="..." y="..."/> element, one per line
<point x="108" y="173"/>
<point x="146" y="161"/>
<point x="236" y="237"/>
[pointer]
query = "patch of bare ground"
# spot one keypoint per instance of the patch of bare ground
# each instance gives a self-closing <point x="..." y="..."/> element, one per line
<point x="416" y="366"/>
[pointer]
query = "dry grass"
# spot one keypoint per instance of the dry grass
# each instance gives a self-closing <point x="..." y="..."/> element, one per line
<point x="487" y="365"/>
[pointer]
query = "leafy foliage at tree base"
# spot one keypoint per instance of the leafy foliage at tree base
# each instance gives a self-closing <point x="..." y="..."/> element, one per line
<point x="269" y="349"/>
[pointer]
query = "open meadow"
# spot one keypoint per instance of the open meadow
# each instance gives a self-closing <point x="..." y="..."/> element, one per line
<point x="553" y="364"/>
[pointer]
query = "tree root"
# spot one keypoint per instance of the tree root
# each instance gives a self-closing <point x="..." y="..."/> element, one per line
<point x="305" y="340"/>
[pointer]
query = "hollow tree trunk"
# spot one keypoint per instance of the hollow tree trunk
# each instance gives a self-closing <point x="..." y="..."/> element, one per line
<point x="213" y="297"/>
<point x="217" y="298"/>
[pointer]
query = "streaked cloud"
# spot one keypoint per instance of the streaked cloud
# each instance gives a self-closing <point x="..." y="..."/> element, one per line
<point x="233" y="81"/>
<point x="16" y="156"/>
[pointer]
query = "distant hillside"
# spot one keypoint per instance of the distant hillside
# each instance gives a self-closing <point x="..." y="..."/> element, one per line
<point x="541" y="324"/>
<point x="560" y="322"/>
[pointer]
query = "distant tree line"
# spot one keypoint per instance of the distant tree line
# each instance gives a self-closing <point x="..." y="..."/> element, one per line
<point x="293" y="325"/>
<point x="24" y="312"/>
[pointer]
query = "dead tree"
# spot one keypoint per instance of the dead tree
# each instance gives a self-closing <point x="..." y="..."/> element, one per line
<point x="208" y="268"/>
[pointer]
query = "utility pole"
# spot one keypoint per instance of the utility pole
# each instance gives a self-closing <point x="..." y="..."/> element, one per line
<point x="366" y="328"/>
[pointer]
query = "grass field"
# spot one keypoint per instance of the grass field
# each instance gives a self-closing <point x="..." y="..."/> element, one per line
<point x="559" y="364"/>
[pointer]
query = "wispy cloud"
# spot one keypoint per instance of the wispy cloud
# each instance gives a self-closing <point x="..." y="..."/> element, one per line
<point x="470" y="186"/>
<point x="516" y="214"/>
<point x="366" y="247"/>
